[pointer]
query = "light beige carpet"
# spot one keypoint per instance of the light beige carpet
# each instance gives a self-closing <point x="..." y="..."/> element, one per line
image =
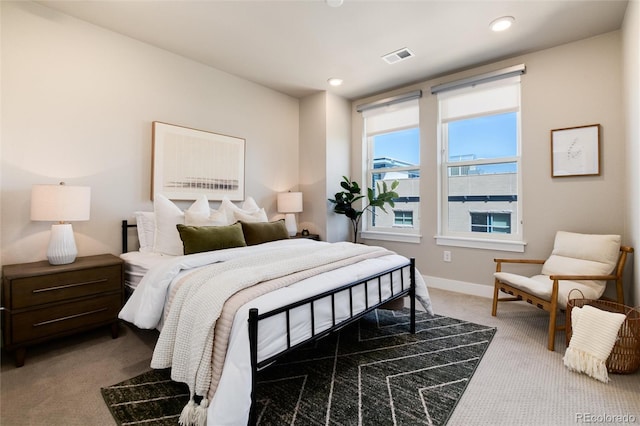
<point x="518" y="382"/>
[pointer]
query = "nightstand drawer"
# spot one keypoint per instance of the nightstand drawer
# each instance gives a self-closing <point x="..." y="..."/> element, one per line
<point x="65" y="317"/>
<point x="38" y="290"/>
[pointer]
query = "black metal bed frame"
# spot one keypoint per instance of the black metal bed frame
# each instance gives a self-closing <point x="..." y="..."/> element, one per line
<point x="255" y="317"/>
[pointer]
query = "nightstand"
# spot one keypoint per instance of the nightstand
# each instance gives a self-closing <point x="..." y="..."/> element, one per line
<point x="43" y="301"/>
<point x="309" y="236"/>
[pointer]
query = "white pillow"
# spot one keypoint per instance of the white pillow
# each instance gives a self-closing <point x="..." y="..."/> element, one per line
<point x="257" y="216"/>
<point x="214" y="218"/>
<point x="248" y="206"/>
<point x="168" y="215"/>
<point x="146" y="225"/>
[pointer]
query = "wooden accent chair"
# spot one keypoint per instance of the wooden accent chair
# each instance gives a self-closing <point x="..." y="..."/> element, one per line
<point x="578" y="261"/>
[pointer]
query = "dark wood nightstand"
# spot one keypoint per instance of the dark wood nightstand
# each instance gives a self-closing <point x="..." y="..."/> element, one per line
<point x="44" y="301"/>
<point x="309" y="236"/>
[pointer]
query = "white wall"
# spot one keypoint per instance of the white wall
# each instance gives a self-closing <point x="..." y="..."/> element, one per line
<point x="77" y="105"/>
<point x="337" y="163"/>
<point x="325" y="128"/>
<point x="631" y="81"/>
<point x="313" y="152"/>
<point x="570" y="85"/>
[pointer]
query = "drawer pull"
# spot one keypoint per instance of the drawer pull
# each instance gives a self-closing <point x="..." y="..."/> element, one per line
<point x="62" y="287"/>
<point x="39" y="324"/>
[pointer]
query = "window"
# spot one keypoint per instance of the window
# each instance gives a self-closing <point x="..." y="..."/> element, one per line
<point x="479" y="138"/>
<point x="491" y="222"/>
<point x="392" y="147"/>
<point x="403" y="217"/>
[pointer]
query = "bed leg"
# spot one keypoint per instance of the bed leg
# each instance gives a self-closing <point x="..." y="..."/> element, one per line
<point x="412" y="294"/>
<point x="253" y="350"/>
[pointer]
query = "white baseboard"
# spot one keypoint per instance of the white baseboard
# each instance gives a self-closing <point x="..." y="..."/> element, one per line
<point x="459" y="286"/>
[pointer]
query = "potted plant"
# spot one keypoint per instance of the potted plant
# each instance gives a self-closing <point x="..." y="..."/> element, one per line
<point x="344" y="200"/>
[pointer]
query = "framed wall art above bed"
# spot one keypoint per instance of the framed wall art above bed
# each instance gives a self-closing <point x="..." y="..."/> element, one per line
<point x="187" y="163"/>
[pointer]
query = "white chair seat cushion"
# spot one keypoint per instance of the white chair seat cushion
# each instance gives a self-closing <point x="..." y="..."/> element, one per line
<point x="541" y="285"/>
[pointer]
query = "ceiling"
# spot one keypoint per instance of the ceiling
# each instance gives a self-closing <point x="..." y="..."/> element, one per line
<point x="295" y="46"/>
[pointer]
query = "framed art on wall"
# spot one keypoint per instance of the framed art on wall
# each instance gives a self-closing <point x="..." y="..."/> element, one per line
<point x="575" y="151"/>
<point x="187" y="163"/>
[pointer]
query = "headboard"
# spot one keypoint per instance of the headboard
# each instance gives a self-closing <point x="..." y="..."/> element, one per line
<point x="125" y="234"/>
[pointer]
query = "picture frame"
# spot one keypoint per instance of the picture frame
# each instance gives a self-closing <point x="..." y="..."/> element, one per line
<point x="575" y="151"/>
<point x="187" y="163"/>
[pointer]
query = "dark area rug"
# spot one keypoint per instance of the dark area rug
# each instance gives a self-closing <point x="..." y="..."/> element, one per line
<point x="373" y="372"/>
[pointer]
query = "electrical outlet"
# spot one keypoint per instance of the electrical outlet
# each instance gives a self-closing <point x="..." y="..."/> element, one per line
<point x="446" y="256"/>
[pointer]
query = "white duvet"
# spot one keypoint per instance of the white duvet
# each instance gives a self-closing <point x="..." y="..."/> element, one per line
<point x="231" y="402"/>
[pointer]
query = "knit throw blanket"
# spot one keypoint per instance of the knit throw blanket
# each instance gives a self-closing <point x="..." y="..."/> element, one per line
<point x="186" y="340"/>
<point x="594" y="335"/>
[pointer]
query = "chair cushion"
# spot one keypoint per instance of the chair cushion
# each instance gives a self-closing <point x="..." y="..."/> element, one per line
<point x="583" y="254"/>
<point x="540" y="286"/>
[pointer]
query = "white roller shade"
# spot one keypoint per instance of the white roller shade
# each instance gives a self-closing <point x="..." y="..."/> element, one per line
<point x="397" y="116"/>
<point x="471" y="101"/>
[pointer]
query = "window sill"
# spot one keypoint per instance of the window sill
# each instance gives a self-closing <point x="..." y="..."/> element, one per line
<point x="481" y="243"/>
<point x="391" y="236"/>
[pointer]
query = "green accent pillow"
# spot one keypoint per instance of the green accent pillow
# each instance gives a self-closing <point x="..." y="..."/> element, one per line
<point x="263" y="232"/>
<point x="196" y="239"/>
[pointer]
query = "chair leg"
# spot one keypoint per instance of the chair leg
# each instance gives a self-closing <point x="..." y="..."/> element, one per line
<point x="494" y="308"/>
<point x="552" y="330"/>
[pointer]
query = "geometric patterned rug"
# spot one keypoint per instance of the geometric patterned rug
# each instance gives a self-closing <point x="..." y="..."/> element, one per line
<point x="373" y="372"/>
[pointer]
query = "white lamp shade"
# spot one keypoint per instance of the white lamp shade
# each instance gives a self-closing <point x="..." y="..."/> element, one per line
<point x="289" y="202"/>
<point x="60" y="203"/>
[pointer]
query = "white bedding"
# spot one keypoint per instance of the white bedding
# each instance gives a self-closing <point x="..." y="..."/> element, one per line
<point x="231" y="402"/>
<point x="138" y="263"/>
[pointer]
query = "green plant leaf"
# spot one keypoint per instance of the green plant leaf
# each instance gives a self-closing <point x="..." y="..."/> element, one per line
<point x="344" y="200"/>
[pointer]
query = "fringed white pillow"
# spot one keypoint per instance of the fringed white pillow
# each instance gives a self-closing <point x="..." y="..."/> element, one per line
<point x="594" y="335"/>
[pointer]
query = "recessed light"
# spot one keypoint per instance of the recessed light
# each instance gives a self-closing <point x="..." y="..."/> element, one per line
<point x="502" y="23"/>
<point x="335" y="81"/>
<point x="335" y="3"/>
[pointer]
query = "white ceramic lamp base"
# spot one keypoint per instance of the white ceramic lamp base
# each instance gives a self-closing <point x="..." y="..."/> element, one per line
<point x="62" y="245"/>
<point x="290" y="224"/>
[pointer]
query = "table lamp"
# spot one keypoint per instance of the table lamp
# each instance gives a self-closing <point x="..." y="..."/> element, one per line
<point x="290" y="203"/>
<point x="60" y="203"/>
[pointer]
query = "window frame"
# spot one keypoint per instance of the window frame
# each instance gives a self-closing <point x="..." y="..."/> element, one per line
<point x="400" y="233"/>
<point x="513" y="242"/>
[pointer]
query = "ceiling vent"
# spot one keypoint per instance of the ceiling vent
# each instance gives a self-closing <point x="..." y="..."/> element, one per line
<point x="398" y="55"/>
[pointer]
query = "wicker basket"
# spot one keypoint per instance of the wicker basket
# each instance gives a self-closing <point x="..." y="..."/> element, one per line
<point x="625" y="355"/>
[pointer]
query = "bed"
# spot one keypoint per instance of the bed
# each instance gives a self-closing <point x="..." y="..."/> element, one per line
<point x="291" y="292"/>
